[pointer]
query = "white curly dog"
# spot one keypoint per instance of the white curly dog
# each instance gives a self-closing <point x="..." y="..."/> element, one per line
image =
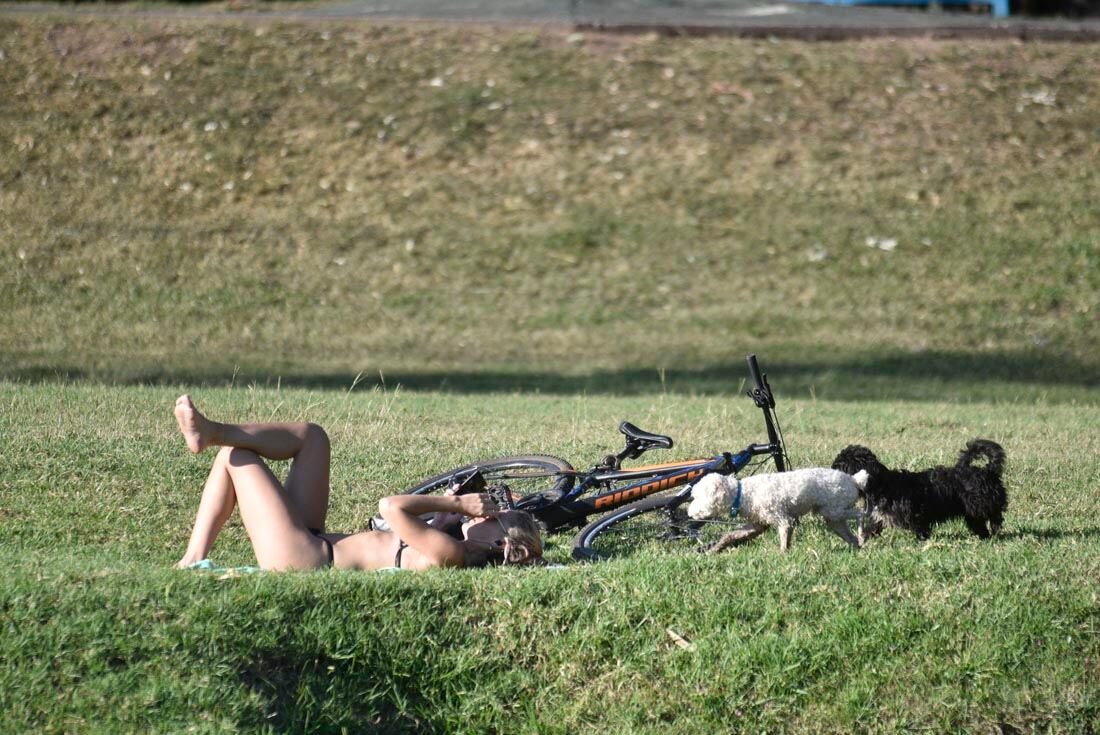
<point x="779" y="500"/>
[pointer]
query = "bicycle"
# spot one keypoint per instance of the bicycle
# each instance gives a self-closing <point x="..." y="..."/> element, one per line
<point x="636" y="503"/>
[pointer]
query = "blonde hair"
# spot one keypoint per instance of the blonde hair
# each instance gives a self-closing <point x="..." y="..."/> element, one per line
<point x="522" y="543"/>
<point x="522" y="539"/>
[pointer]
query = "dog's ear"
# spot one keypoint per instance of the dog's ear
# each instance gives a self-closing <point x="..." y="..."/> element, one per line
<point x="854" y="458"/>
<point x="848" y="459"/>
<point x="843" y="464"/>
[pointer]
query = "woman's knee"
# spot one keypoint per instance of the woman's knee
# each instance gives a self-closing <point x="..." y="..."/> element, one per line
<point x="317" y="436"/>
<point x="222" y="457"/>
<point x="237" y="457"/>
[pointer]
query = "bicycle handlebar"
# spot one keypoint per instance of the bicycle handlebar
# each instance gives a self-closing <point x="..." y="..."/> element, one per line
<point x="754" y="370"/>
<point x="761" y="395"/>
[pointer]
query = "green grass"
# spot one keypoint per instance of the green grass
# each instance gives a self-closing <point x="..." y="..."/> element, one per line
<point x="452" y="243"/>
<point x="480" y="209"/>
<point x="97" y="494"/>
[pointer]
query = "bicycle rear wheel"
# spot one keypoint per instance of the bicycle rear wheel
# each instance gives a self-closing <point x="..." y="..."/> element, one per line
<point x="529" y="477"/>
<point x="658" y="523"/>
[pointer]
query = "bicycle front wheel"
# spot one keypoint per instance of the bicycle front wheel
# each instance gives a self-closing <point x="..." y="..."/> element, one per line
<point x="529" y="477"/>
<point x="658" y="523"/>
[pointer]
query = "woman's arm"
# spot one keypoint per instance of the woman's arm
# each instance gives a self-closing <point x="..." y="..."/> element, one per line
<point x="402" y="513"/>
<point x="446" y="521"/>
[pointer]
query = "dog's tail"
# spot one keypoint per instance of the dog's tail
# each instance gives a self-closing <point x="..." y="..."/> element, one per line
<point x="861" y="479"/>
<point x="992" y="452"/>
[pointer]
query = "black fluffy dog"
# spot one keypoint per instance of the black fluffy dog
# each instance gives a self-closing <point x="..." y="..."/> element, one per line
<point x="919" y="500"/>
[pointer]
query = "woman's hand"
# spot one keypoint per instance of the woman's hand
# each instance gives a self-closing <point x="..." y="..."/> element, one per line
<point x="477" y="505"/>
<point x="474" y="505"/>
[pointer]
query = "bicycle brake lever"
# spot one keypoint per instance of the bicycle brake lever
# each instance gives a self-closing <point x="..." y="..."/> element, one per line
<point x="762" y="398"/>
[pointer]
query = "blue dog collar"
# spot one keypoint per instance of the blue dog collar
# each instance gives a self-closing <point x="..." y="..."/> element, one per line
<point x="736" y="502"/>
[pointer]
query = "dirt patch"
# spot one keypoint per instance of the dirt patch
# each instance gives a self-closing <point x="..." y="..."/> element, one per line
<point x="96" y="48"/>
<point x="605" y="45"/>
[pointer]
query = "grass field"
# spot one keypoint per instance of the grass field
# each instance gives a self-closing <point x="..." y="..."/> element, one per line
<point x="452" y="243"/>
<point x="952" y="635"/>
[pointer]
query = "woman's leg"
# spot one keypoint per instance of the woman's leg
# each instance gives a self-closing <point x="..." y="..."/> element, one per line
<point x="278" y="533"/>
<point x="272" y="441"/>
<point x="279" y="538"/>
<point x="218" y="500"/>
<point x="307" y="483"/>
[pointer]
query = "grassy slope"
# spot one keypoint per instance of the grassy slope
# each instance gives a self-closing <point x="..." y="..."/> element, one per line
<point x="313" y="201"/>
<point x="954" y="634"/>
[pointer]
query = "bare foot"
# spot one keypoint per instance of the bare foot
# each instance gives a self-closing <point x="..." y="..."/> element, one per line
<point x="187" y="561"/>
<point x="197" y="429"/>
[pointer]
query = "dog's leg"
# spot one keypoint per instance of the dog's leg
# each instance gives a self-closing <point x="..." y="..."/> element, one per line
<point x="977" y="525"/>
<point x="839" y="526"/>
<point x="730" y="539"/>
<point x="995" y="523"/>
<point x="741" y="535"/>
<point x="785" y="533"/>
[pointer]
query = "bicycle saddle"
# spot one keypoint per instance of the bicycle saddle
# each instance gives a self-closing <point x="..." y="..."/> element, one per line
<point x="644" y="439"/>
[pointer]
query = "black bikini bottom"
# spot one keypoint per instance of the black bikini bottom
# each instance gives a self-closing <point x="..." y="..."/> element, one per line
<point x="328" y="544"/>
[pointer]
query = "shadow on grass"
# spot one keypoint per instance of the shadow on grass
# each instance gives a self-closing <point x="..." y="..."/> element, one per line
<point x="950" y="376"/>
<point x="955" y="532"/>
<point x="296" y="686"/>
<point x="1049" y="534"/>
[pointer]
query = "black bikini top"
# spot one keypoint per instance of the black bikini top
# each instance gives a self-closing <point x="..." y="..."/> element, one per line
<point x="401" y="546"/>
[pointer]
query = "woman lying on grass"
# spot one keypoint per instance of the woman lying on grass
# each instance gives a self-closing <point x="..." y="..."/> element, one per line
<point x="285" y="522"/>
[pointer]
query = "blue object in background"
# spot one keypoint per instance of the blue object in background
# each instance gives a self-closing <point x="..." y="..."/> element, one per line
<point x="998" y="7"/>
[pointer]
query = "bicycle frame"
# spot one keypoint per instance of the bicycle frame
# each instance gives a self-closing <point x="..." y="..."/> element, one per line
<point x="607" y="486"/>
<point x="573" y="509"/>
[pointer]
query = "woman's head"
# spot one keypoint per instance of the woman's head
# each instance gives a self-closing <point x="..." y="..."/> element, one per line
<point x="511" y="537"/>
